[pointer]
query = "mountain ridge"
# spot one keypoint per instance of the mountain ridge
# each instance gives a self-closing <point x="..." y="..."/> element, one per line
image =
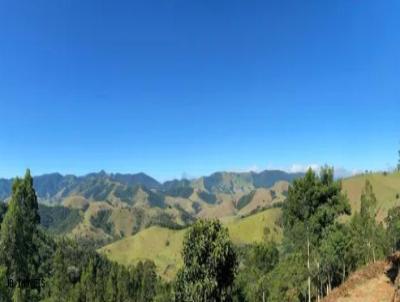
<point x="103" y="207"/>
<point x="52" y="188"/>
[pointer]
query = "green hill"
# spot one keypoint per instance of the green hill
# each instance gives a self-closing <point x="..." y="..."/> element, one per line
<point x="163" y="245"/>
<point x="386" y="188"/>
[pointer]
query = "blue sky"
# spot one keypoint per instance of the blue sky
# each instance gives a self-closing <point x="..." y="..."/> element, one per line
<point x="171" y="87"/>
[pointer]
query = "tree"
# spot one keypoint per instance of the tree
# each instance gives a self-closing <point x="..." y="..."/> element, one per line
<point x="111" y="290"/>
<point x="148" y="281"/>
<point x="18" y="250"/>
<point x="369" y="238"/>
<point x="287" y="282"/>
<point x="393" y="227"/>
<point x="257" y="261"/>
<point x="210" y="264"/>
<point x="60" y="284"/>
<point x="314" y="203"/>
<point x="13" y="246"/>
<point x="264" y="256"/>
<point x="398" y="163"/>
<point x="336" y="258"/>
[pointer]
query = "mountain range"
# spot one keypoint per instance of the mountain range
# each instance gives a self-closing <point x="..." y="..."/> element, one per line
<point x="105" y="206"/>
<point x="54" y="188"/>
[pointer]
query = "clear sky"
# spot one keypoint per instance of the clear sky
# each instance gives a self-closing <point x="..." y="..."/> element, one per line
<point x="169" y="87"/>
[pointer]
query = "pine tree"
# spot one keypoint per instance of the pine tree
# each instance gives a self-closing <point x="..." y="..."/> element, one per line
<point x="111" y="285"/>
<point x="59" y="284"/>
<point x="88" y="281"/>
<point x="398" y="164"/>
<point x="13" y="246"/>
<point x="18" y="251"/>
<point x="369" y="238"/>
<point x="30" y="211"/>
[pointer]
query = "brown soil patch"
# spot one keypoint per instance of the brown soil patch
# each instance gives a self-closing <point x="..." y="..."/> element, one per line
<point x="369" y="284"/>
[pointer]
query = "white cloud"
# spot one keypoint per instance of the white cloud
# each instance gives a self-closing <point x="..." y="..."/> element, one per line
<point x="340" y="172"/>
<point x="295" y="168"/>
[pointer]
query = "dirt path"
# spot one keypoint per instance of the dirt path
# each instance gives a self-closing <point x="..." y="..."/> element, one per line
<point x="369" y="284"/>
<point x="378" y="289"/>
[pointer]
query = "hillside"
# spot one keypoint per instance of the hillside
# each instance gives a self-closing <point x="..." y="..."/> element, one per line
<point x="243" y="230"/>
<point x="372" y="283"/>
<point x="386" y="188"/>
<point x="163" y="245"/>
<point x="107" y="207"/>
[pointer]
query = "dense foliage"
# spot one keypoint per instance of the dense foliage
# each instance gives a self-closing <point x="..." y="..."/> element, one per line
<point x="209" y="264"/>
<point x="59" y="220"/>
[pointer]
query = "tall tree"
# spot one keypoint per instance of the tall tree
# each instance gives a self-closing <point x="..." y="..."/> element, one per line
<point x="210" y="264"/>
<point x="257" y="261"/>
<point x="393" y="227"/>
<point x="14" y="248"/>
<point x="314" y="203"/>
<point x="398" y="163"/>
<point x="369" y="238"/>
<point x="60" y="284"/>
<point x="18" y="250"/>
<point x="336" y="258"/>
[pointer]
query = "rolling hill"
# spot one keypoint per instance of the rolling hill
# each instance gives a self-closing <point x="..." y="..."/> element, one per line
<point x="243" y="230"/>
<point x="163" y="245"/>
<point x="386" y="187"/>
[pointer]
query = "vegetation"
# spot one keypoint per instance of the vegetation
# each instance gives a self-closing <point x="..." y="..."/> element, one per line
<point x="398" y="164"/>
<point x="101" y="207"/>
<point x="207" y="197"/>
<point x="209" y="264"/>
<point x="245" y="200"/>
<point x="319" y="248"/>
<point x="35" y="266"/>
<point x="297" y="251"/>
<point x="151" y="242"/>
<point x="101" y="220"/>
<point x="59" y="220"/>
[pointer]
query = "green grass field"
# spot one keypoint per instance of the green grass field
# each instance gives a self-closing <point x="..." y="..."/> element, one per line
<point x="159" y="244"/>
<point x="163" y="245"/>
<point x="385" y="188"/>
